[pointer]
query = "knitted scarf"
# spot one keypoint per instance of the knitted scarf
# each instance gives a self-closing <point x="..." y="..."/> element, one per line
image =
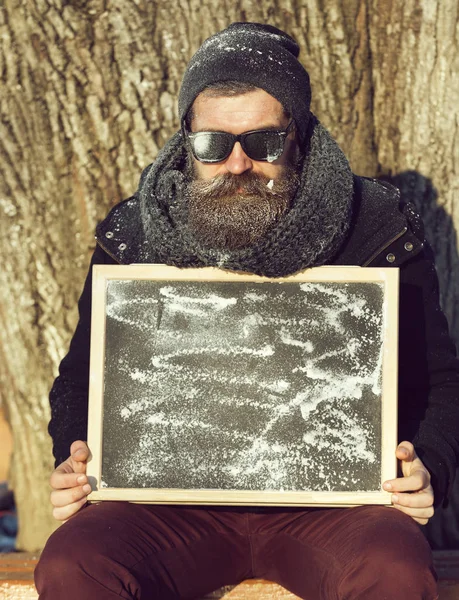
<point x="309" y="234"/>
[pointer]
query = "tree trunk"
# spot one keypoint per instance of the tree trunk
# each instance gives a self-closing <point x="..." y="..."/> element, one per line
<point x="89" y="96"/>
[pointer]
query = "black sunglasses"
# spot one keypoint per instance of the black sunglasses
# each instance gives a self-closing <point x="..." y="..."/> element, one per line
<point x="215" y="146"/>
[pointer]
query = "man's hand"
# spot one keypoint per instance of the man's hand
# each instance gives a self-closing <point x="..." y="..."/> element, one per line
<point x="416" y="480"/>
<point x="70" y="483"/>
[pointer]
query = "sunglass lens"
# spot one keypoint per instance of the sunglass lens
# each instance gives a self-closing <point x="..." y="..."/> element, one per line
<point x="263" y="146"/>
<point x="210" y="146"/>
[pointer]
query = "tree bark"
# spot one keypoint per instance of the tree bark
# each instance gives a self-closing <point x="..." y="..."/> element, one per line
<point x="89" y="96"/>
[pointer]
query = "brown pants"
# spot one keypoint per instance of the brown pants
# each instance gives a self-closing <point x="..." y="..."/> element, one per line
<point x="118" y="550"/>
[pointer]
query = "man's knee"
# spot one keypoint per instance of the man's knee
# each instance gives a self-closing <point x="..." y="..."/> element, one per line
<point x="67" y="552"/>
<point x="76" y="559"/>
<point x="392" y="557"/>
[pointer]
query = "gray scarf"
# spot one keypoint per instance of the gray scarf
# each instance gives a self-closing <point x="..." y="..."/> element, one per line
<point x="309" y="234"/>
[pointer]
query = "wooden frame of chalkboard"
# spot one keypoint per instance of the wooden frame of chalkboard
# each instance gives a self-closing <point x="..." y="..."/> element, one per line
<point x="342" y="410"/>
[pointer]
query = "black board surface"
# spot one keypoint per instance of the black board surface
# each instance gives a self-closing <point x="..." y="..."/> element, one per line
<point x="242" y="386"/>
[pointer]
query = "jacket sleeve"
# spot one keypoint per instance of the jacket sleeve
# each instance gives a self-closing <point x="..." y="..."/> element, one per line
<point x="428" y="374"/>
<point x="69" y="394"/>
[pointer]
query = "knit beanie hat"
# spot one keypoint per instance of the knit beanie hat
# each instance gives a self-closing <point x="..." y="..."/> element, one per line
<point x="252" y="53"/>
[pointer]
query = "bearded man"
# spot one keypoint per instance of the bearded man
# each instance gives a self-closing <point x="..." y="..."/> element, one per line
<point x="253" y="182"/>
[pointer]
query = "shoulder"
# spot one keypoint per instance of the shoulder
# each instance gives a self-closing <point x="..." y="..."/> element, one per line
<point x="383" y="199"/>
<point x="385" y="231"/>
<point x="120" y="234"/>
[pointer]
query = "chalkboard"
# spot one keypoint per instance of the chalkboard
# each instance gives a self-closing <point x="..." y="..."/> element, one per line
<point x="215" y="387"/>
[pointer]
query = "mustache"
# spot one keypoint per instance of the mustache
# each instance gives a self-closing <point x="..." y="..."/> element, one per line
<point x="248" y="184"/>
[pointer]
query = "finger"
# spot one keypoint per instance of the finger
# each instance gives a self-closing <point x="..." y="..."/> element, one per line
<point x="421" y="515"/>
<point x="65" y="512"/>
<point x="63" y="481"/>
<point x="418" y="480"/>
<point x="61" y="498"/>
<point x="423" y="499"/>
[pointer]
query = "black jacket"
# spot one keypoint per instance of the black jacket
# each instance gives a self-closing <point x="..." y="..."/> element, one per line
<point x="384" y="232"/>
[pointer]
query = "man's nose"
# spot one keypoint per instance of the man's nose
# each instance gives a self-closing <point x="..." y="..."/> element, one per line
<point x="238" y="162"/>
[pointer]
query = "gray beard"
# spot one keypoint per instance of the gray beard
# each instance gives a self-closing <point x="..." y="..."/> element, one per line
<point x="222" y="216"/>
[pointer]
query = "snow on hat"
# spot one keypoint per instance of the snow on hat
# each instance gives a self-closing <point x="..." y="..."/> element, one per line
<point x="252" y="53"/>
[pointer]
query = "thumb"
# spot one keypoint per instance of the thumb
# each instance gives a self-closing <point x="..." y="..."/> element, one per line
<point x="405" y="452"/>
<point x="79" y="454"/>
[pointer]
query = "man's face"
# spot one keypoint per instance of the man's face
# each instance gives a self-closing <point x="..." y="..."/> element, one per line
<point x="238" y="114"/>
<point x="233" y="203"/>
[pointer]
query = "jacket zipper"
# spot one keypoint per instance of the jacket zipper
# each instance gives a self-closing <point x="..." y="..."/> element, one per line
<point x="107" y="251"/>
<point x="386" y="245"/>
